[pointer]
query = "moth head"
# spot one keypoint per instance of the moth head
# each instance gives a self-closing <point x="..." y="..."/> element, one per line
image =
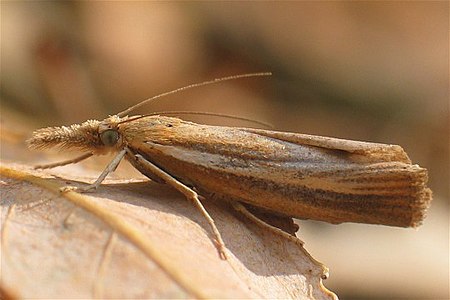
<point x="94" y="136"/>
<point x="109" y="134"/>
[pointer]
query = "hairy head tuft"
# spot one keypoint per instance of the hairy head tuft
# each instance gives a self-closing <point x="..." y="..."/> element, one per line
<point x="77" y="137"/>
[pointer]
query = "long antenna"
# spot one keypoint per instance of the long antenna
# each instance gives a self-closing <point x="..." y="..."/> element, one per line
<point x="213" y="114"/>
<point x="201" y="113"/>
<point x="217" y="80"/>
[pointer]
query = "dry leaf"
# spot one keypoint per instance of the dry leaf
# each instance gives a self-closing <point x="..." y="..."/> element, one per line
<point x="137" y="240"/>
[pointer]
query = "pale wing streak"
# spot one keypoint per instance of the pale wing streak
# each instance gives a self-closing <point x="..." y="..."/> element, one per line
<point x="386" y="178"/>
<point x="381" y="152"/>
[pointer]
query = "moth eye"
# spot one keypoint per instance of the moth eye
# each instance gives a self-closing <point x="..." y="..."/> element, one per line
<point x="109" y="137"/>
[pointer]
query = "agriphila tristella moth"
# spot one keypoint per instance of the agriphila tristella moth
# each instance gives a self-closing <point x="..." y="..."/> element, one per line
<point x="285" y="174"/>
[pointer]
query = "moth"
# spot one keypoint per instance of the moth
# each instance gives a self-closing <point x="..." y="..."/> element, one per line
<point x="281" y="173"/>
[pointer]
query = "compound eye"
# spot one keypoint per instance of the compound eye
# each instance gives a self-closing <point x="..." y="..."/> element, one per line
<point x="109" y="137"/>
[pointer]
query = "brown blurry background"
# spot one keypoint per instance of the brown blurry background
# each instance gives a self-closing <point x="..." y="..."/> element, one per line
<point x="373" y="71"/>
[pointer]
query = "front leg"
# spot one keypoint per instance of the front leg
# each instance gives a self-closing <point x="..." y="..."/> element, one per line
<point x="65" y="162"/>
<point x="110" y="168"/>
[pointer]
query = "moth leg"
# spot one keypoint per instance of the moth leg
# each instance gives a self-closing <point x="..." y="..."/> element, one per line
<point x="65" y="162"/>
<point x="190" y="195"/>
<point x="110" y="168"/>
<point x="243" y="210"/>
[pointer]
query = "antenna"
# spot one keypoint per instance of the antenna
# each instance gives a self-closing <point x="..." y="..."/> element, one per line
<point x="202" y="113"/>
<point x="212" y="114"/>
<point x="217" y="80"/>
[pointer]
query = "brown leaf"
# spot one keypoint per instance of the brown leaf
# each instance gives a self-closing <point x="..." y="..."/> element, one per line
<point x="137" y="239"/>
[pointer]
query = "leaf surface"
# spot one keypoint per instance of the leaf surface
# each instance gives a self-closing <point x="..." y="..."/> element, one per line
<point x="137" y="239"/>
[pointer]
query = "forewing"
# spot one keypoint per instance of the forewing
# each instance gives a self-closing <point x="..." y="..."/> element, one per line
<point x="380" y="152"/>
<point x="293" y="174"/>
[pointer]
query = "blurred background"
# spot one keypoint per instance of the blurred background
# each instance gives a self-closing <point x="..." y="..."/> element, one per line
<point x="371" y="71"/>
